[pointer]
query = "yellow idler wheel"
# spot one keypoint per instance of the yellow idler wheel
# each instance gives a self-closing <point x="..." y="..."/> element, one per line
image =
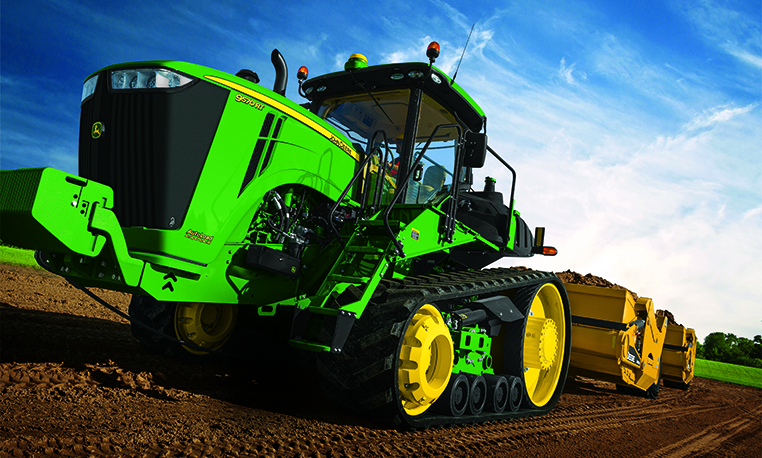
<point x="544" y="340"/>
<point x="206" y="325"/>
<point x="426" y="359"/>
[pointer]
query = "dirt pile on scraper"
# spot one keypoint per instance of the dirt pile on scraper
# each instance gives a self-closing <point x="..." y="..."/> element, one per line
<point x="592" y="280"/>
<point x="74" y="382"/>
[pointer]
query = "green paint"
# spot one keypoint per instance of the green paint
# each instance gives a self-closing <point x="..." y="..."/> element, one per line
<point x="472" y="351"/>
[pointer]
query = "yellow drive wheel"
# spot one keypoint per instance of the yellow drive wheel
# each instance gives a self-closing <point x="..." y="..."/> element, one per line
<point x="425" y="360"/>
<point x="206" y="325"/>
<point x="544" y="342"/>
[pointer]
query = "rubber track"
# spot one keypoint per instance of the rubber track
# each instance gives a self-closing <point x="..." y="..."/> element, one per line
<point x="362" y="378"/>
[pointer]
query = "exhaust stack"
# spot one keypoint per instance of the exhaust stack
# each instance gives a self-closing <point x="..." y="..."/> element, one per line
<point x="281" y="72"/>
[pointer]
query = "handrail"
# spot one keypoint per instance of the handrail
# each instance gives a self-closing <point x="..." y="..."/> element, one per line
<point x="357" y="174"/>
<point x="388" y="155"/>
<point x="513" y="185"/>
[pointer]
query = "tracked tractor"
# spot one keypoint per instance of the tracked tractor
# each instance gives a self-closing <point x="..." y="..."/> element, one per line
<point x="346" y="225"/>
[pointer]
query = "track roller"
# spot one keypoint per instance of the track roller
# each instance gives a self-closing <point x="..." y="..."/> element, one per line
<point x="516" y="393"/>
<point x="497" y="393"/>
<point x="426" y="357"/>
<point x="208" y="326"/>
<point x="456" y="397"/>
<point x="477" y="398"/>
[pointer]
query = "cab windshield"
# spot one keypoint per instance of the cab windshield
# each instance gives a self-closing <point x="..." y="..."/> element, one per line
<point x="359" y="116"/>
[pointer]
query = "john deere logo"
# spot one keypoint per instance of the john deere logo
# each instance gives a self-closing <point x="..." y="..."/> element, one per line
<point x="97" y="130"/>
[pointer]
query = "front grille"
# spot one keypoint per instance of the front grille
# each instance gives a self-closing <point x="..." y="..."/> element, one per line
<point x="132" y="170"/>
<point x="152" y="150"/>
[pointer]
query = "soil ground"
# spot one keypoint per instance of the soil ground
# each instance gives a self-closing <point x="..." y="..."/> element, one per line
<point x="74" y="382"/>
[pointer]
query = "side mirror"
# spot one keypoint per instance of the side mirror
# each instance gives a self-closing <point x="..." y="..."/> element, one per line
<point x="475" y="150"/>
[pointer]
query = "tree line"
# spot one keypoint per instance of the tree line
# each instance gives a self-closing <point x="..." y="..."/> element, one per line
<point x="727" y="348"/>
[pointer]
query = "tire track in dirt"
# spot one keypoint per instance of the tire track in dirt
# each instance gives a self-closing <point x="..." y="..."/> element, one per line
<point x="502" y="436"/>
<point x="711" y="438"/>
<point x="584" y="423"/>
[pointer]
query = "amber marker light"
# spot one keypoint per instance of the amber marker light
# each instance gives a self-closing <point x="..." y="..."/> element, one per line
<point x="433" y="51"/>
<point x="549" y="251"/>
<point x="302" y="74"/>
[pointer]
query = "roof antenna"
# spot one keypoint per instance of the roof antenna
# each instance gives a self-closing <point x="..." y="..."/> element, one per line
<point x="464" y="52"/>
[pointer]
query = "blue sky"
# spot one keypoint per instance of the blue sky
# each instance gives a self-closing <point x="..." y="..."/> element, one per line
<point x="635" y="127"/>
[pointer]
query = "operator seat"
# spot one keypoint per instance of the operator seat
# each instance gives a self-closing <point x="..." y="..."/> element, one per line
<point x="433" y="180"/>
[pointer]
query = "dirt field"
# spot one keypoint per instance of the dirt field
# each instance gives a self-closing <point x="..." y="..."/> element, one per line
<point x="73" y="382"/>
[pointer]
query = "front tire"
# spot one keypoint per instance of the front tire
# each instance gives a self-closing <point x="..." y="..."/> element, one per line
<point x="208" y="326"/>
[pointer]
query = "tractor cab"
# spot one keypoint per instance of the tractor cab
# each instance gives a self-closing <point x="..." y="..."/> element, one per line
<point x="425" y="134"/>
<point x="418" y="135"/>
<point x="397" y="110"/>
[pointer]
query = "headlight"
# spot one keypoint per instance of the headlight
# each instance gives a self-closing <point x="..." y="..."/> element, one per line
<point x="147" y="78"/>
<point x="89" y="87"/>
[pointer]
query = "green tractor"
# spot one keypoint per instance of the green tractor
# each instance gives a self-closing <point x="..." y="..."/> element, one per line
<point x="347" y="226"/>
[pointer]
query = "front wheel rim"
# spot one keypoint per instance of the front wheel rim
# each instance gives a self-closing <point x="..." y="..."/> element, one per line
<point x="205" y="325"/>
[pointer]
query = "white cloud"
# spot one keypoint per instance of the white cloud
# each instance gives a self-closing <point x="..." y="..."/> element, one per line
<point x="566" y="73"/>
<point x="751" y="214"/>
<point x="745" y="56"/>
<point x="624" y="197"/>
<point x="717" y="115"/>
<point x="733" y="27"/>
<point x="453" y="14"/>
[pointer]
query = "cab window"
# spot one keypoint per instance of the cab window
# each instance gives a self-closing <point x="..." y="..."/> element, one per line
<point x="439" y="160"/>
<point x="359" y="116"/>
